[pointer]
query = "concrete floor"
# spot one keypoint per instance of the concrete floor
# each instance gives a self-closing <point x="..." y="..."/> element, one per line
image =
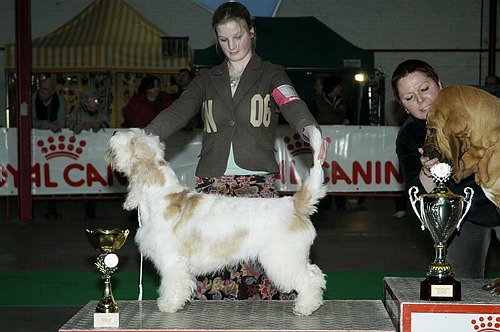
<point x="361" y="238"/>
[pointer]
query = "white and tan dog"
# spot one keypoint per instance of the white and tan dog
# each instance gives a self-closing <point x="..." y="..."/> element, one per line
<point x="180" y="226"/>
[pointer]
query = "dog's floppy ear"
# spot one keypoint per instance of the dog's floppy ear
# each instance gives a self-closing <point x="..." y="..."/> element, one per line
<point x="457" y="149"/>
<point x="451" y="118"/>
<point x="486" y="163"/>
<point x="436" y="127"/>
<point x="454" y="142"/>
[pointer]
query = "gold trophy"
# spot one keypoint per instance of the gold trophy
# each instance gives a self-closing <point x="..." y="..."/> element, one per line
<point x="441" y="211"/>
<point x="107" y="241"/>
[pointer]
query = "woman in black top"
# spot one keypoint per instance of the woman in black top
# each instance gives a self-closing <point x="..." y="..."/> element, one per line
<point x="415" y="85"/>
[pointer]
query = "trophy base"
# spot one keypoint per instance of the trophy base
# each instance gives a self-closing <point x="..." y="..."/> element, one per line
<point x="440" y="289"/>
<point x="106" y="319"/>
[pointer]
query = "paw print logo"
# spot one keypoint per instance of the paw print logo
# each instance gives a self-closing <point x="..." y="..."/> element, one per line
<point x="60" y="146"/>
<point x="486" y="324"/>
<point x="296" y="146"/>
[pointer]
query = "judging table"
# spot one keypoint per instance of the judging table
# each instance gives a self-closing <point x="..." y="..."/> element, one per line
<point x="478" y="310"/>
<point x="337" y="315"/>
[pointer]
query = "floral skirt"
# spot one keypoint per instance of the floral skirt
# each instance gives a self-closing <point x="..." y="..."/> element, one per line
<point x="246" y="281"/>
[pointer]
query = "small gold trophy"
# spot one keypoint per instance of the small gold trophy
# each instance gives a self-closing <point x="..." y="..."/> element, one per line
<point x="107" y="241"/>
<point x="441" y="211"/>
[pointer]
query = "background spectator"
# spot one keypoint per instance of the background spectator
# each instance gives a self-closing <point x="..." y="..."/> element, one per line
<point x="144" y="105"/>
<point x="49" y="112"/>
<point x="182" y="82"/>
<point x="330" y="107"/>
<point x="49" y="108"/>
<point x="185" y="77"/>
<point x="89" y="116"/>
<point x="492" y="84"/>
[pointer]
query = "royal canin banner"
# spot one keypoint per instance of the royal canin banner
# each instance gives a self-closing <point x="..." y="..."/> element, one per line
<point x="360" y="159"/>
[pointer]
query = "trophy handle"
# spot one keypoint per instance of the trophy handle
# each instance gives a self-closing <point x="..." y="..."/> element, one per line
<point x="413" y="191"/>
<point x="469" y="193"/>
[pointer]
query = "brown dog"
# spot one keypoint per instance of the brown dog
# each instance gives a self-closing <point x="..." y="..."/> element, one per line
<point x="463" y="127"/>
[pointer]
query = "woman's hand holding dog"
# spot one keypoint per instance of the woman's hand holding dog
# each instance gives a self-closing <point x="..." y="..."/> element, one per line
<point x="425" y="173"/>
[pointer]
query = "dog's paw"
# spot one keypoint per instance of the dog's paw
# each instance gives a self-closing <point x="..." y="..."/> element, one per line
<point x="493" y="286"/>
<point x="306" y="309"/>
<point x="169" y="306"/>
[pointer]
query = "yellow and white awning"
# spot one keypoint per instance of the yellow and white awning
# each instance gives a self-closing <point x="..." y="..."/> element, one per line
<point x="108" y="35"/>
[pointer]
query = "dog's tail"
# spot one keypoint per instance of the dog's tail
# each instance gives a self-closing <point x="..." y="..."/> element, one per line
<point x="313" y="189"/>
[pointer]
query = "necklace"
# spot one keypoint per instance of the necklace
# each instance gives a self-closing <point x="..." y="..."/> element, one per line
<point x="234" y="81"/>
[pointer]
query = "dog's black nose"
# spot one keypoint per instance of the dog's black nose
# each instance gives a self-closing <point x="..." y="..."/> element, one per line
<point x="431" y="152"/>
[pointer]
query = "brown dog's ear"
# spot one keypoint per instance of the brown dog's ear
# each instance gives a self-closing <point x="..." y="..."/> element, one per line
<point x="459" y="143"/>
<point x="484" y="164"/>
<point x="453" y="138"/>
<point x="464" y="155"/>
<point x="456" y="153"/>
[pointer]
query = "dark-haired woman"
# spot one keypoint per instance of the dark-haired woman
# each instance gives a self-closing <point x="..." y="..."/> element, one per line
<point x="415" y="85"/>
<point x="145" y="105"/>
<point x="240" y="101"/>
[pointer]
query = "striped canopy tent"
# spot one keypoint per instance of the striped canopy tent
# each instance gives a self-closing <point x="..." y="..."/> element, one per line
<point x="109" y="46"/>
<point x="110" y="36"/>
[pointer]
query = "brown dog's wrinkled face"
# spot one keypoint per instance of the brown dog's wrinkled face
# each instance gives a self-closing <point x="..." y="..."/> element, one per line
<point x="431" y="145"/>
<point x="447" y="127"/>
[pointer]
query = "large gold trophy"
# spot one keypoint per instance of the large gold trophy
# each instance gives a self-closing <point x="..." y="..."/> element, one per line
<point x="441" y="212"/>
<point x="107" y="241"/>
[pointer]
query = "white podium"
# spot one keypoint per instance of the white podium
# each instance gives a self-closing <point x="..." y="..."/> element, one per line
<point x="478" y="310"/>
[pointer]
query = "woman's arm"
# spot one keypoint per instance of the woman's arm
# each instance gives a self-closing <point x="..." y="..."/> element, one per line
<point x="410" y="139"/>
<point x="178" y="114"/>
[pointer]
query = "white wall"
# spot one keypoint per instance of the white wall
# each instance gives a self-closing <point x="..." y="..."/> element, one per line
<point x="376" y="25"/>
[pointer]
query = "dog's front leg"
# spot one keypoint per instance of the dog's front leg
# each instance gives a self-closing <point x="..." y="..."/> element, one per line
<point x="176" y="287"/>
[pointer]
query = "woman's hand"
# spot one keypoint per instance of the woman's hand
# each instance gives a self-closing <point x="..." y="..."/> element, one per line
<point x="425" y="173"/>
<point x="323" y="151"/>
<point x="77" y="129"/>
<point x="54" y="127"/>
<point x="427" y="163"/>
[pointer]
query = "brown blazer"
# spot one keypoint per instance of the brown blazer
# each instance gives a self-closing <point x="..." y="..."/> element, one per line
<point x="248" y="120"/>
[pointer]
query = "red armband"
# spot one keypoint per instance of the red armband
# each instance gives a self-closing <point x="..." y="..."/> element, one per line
<point x="284" y="94"/>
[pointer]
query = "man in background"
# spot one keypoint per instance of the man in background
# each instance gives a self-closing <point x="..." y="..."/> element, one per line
<point x="49" y="108"/>
<point x="49" y="113"/>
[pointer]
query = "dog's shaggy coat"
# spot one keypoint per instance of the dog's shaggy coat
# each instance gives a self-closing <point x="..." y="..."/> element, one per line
<point x="186" y="234"/>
